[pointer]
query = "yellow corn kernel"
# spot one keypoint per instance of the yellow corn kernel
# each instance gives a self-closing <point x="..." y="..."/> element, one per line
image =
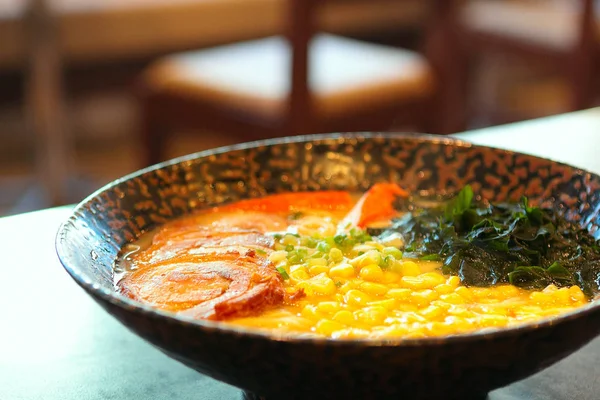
<point x="346" y="286"/>
<point x="409" y="268"/>
<point x="417" y="332"/>
<point x="453" y="298"/>
<point x="453" y="281"/>
<point x="278" y="256"/>
<point x="336" y="255"/>
<point x="433" y="312"/>
<point x="328" y="307"/>
<point x="370" y="257"/>
<point x="464" y="292"/>
<point x="482" y="294"/>
<point x="318" y="269"/>
<point x="396" y="330"/>
<point x="299" y="275"/>
<point x="441" y="304"/>
<point x="485" y="320"/>
<point x="310" y="312"/>
<point x="525" y="309"/>
<point x="495" y="309"/>
<point x="549" y="312"/>
<point x="508" y="290"/>
<point x="405" y="318"/>
<point x="562" y="296"/>
<point x="428" y="280"/>
<point x="343" y="270"/>
<point x="371" y="272"/>
<point x="541" y="298"/>
<point x="390" y="277"/>
<point x="439" y="328"/>
<point x="344" y="317"/>
<point x="550" y="288"/>
<point x="460" y="311"/>
<point x="406" y="307"/>
<point x="351" y="333"/>
<point x="460" y="324"/>
<point x="444" y="288"/>
<point x="375" y="289"/>
<point x="328" y="327"/>
<point x="297" y="267"/>
<point x="423" y="298"/>
<point x="388" y="304"/>
<point x="318" y="285"/>
<point x="356" y="298"/>
<point x="400" y="294"/>
<point x="556" y="310"/>
<point x="524" y="317"/>
<point x="435" y="278"/>
<point x="375" y="245"/>
<point x="372" y="315"/>
<point x="316" y="261"/>
<point x="576" y="293"/>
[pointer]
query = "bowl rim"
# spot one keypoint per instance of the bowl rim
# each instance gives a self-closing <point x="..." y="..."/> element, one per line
<point x="222" y="327"/>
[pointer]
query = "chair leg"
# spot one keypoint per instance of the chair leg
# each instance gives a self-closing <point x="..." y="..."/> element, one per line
<point x="445" y="51"/>
<point x="581" y="82"/>
<point x="153" y="133"/>
<point x="427" y="117"/>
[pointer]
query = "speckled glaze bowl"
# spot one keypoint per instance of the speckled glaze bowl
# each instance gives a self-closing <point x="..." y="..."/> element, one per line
<point x="465" y="366"/>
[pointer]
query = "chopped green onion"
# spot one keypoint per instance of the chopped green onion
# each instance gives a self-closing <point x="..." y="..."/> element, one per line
<point x="309" y="242"/>
<point x="393" y="251"/>
<point x="387" y="261"/>
<point x="323" y="247"/>
<point x="297" y="256"/>
<point x="283" y="272"/>
<point x="360" y="235"/>
<point x="289" y="239"/>
<point x="339" y="239"/>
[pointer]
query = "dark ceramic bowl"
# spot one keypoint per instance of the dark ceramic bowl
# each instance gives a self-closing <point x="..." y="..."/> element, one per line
<point x="291" y="367"/>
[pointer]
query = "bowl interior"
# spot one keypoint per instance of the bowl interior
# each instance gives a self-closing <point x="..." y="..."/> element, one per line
<point x="89" y="242"/>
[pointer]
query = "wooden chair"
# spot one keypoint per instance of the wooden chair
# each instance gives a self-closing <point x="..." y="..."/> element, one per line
<point x="558" y="34"/>
<point x="303" y="82"/>
<point x="45" y="107"/>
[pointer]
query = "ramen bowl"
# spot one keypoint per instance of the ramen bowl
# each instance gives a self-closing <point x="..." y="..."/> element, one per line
<point x="278" y="366"/>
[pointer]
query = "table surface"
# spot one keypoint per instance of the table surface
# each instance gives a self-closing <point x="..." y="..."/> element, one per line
<point x="56" y="343"/>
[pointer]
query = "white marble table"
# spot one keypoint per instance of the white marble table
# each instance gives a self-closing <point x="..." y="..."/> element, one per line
<point x="56" y="343"/>
<point x="572" y="138"/>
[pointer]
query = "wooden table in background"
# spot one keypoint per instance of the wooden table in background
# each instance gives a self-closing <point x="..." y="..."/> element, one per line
<point x="56" y="343"/>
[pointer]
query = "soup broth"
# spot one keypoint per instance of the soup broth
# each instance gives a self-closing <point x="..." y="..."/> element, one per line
<point x="306" y="264"/>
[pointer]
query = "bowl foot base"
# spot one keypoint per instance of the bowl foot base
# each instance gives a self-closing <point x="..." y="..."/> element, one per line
<point x="251" y="396"/>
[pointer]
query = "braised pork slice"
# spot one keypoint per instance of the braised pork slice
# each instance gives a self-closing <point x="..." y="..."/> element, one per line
<point x="209" y="268"/>
<point x="217" y="285"/>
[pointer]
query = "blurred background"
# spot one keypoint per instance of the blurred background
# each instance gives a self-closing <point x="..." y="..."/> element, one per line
<point x="91" y="90"/>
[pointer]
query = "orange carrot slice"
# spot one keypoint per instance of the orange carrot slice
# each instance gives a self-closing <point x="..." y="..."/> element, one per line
<point x="332" y="200"/>
<point x="375" y="205"/>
